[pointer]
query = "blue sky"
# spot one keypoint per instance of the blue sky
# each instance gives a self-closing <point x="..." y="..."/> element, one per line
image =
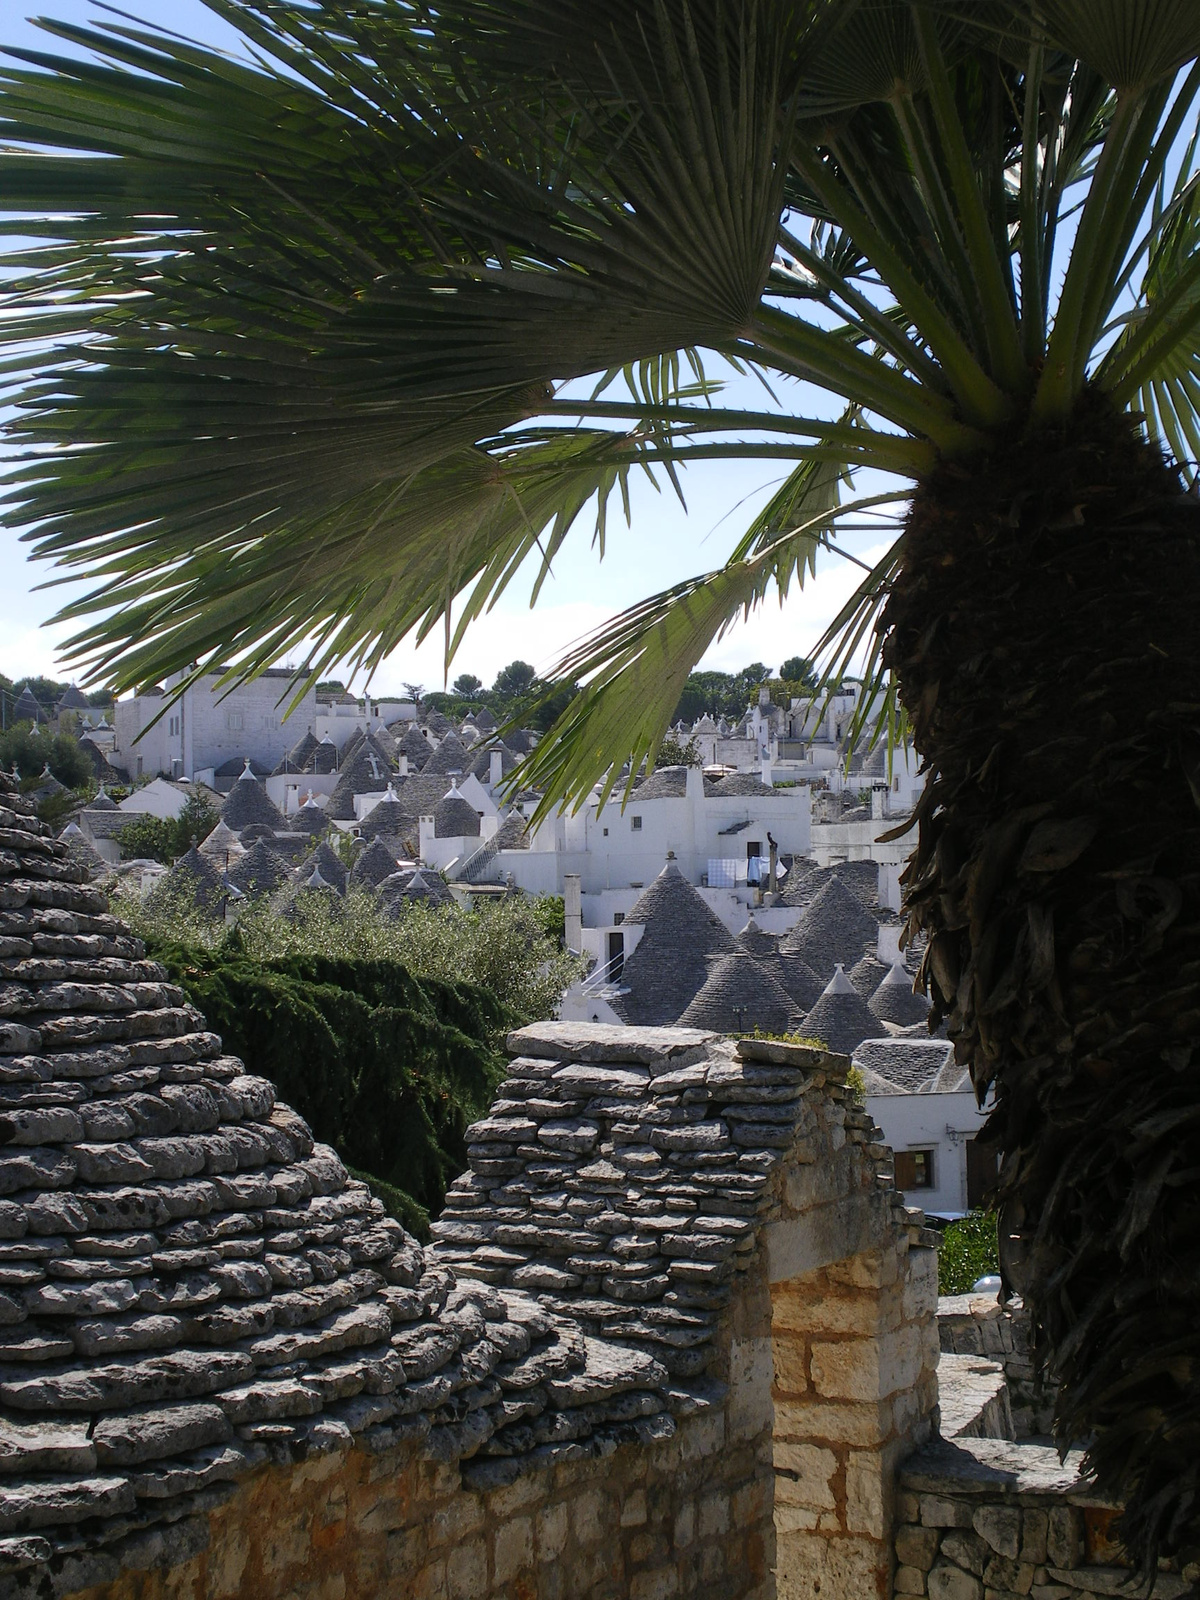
<point x="664" y="543"/>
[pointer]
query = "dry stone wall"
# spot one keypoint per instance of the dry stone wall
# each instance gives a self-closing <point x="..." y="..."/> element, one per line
<point x="224" y="1371"/>
<point x="978" y="1325"/>
<point x="988" y="1519"/>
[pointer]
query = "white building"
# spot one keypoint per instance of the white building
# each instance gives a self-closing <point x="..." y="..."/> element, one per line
<point x="926" y="1107"/>
<point x="207" y="727"/>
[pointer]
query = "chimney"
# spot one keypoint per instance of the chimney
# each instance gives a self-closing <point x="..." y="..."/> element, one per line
<point x="888" y="946"/>
<point x="426" y="830"/>
<point x="403" y="767"/>
<point x="573" y="911"/>
<point x="766" y="771"/>
<point x="495" y="767"/>
<point x="878" y="796"/>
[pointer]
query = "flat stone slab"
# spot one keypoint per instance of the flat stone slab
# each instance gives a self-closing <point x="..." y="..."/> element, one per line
<point x="967" y="1387"/>
<point x="991" y="1466"/>
<point x="607" y="1041"/>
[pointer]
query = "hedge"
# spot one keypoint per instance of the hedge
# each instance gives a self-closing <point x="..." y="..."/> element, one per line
<point x="388" y="1070"/>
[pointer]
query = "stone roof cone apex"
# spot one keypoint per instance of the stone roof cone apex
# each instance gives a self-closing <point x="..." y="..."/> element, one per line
<point x="840" y="983"/>
<point x="246" y="772"/>
<point x="897" y="974"/>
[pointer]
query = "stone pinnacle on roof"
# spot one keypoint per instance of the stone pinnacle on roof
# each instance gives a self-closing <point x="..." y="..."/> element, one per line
<point x="840" y="1019"/>
<point x="833" y="931"/>
<point x="895" y="1001"/>
<point x="102" y="802"/>
<point x="669" y="965"/>
<point x="741" y="996"/>
<point x="249" y="802"/>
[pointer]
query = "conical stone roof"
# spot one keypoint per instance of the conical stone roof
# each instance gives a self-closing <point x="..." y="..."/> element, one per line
<point x="387" y="819"/>
<point x="194" y="1287"/>
<point x="73" y="699"/>
<point x="326" y="860"/>
<point x="324" y="758"/>
<point x="834" y="930"/>
<point x="309" y="818"/>
<point x="221" y="847"/>
<point x="249" y="802"/>
<point x="438" y="723"/>
<point x="862" y="879"/>
<point x="803" y="881"/>
<point x="300" y="754"/>
<point x="867" y="974"/>
<point x="81" y="851"/>
<point x="739" y="996"/>
<point x="755" y="941"/>
<point x="894" y="1000"/>
<point x="669" y="966"/>
<point x="373" y="865"/>
<point x="840" y="1019"/>
<point x="513" y="832"/>
<point x="27" y="708"/>
<point x="799" y="979"/>
<point x="408" y="885"/>
<point x="416" y="747"/>
<point x="450" y="756"/>
<point x="367" y="771"/>
<point x="260" y="871"/>
<point x="455" y="818"/>
<point x="193" y="875"/>
<point x="102" y="802"/>
<point x="484" y="720"/>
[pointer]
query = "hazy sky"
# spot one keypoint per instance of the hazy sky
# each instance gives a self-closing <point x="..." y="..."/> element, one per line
<point x="664" y="544"/>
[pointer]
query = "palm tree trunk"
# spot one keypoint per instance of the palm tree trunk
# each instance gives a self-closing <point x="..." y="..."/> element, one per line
<point x="1046" y="635"/>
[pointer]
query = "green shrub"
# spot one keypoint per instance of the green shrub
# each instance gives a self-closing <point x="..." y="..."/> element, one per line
<point x="388" y="1070"/>
<point x="165" y="839"/>
<point x="969" y="1251"/>
<point x="505" y="945"/>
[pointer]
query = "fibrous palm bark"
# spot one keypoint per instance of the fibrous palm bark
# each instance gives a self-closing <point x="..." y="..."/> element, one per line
<point x="1044" y="632"/>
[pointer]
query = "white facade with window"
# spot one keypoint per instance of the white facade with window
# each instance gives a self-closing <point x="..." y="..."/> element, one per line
<point x="206" y="728"/>
<point x="930" y="1135"/>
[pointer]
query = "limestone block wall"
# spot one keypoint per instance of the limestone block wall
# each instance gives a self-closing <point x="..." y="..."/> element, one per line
<point x="855" y="1353"/>
<point x="690" y="1516"/>
<point x="987" y="1519"/>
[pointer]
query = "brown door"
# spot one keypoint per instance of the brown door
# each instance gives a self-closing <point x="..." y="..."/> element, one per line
<point x="982" y="1172"/>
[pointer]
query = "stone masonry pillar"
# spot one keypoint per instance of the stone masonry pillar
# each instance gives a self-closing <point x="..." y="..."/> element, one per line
<point x="855" y="1348"/>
